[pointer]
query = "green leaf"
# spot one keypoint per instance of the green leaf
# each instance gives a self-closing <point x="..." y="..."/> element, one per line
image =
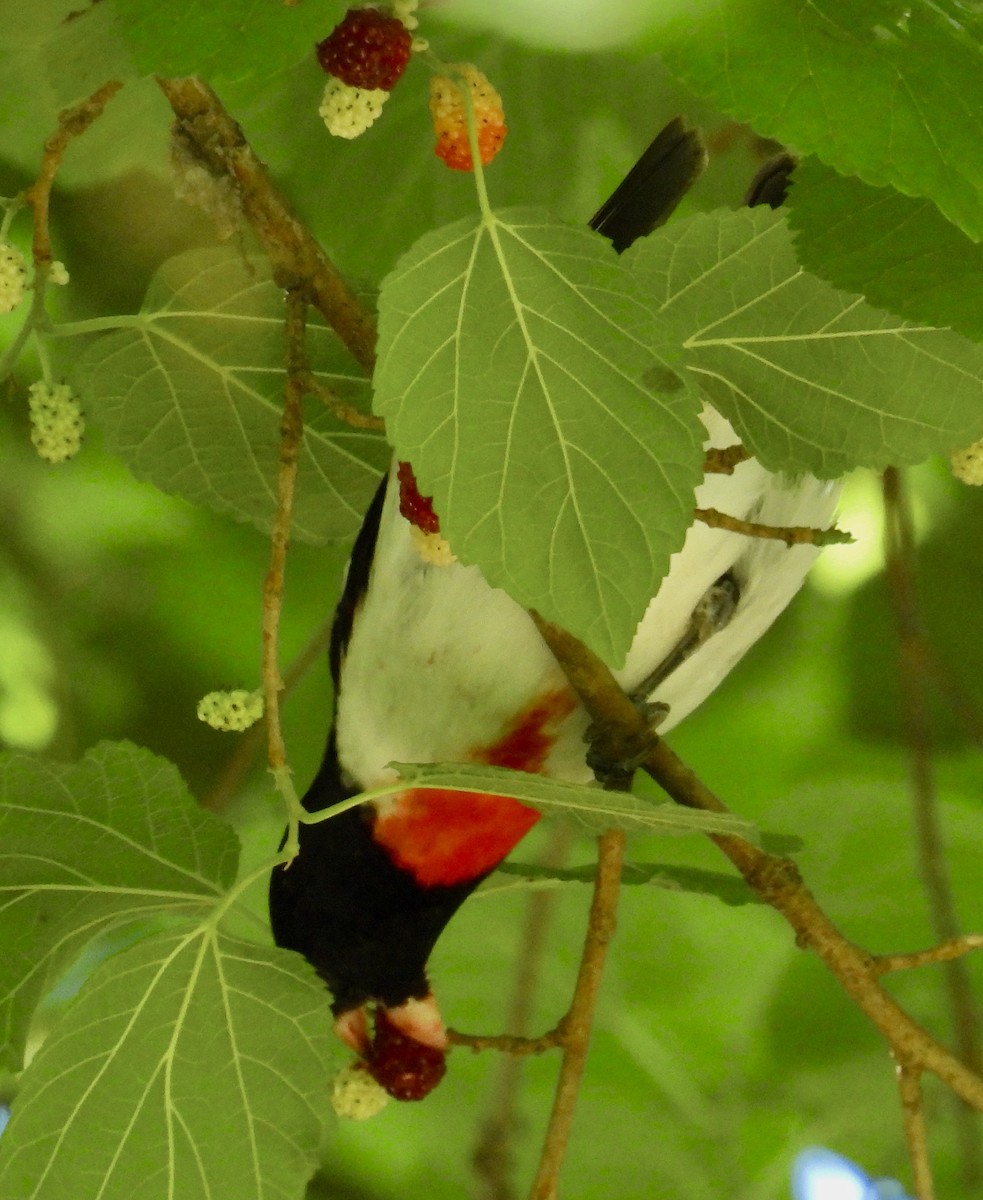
<point x="31" y="94"/>
<point x="512" y="374"/>
<point x="589" y="805"/>
<point x="669" y="876"/>
<point x="899" y="252"/>
<point x="887" y="91"/>
<point x="106" y="840"/>
<point x="234" y="40"/>
<point x="84" y="52"/>
<point x="192" y="1065"/>
<point x="190" y="393"/>
<point x="811" y="378"/>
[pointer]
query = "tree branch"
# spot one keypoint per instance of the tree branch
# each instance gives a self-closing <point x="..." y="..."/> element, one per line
<point x="577" y="1024"/>
<point x="72" y="123"/>
<point x="344" y="412"/>
<point x="944" y="952"/>
<point x="492" y="1157"/>
<point x="248" y="746"/>
<point x="776" y="880"/>
<point x="899" y="554"/>
<point x="723" y="461"/>
<point x="913" y="1119"/>
<point x="207" y="135"/>
<point x="573" y="1031"/>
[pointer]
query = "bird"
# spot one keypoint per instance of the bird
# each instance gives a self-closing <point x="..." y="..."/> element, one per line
<point x="430" y="663"/>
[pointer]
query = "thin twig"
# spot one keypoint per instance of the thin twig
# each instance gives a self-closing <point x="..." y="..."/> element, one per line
<point x="899" y="554"/>
<point x="913" y="1117"/>
<point x="72" y="123"/>
<point x="514" y="1044"/>
<point x="791" y="535"/>
<point x="722" y="461"/>
<point x="344" y="412"/>
<point x="291" y="438"/>
<point x="579" y="1021"/>
<point x="210" y="137"/>
<point x="944" y="952"/>
<point x="778" y="882"/>
<point x="493" y="1159"/>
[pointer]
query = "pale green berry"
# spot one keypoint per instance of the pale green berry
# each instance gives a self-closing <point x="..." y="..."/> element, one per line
<point x="967" y="464"/>
<point x="232" y="711"/>
<point x="57" y="423"/>
<point x="356" y="1095"/>
<point x="349" y="111"/>
<point x="13" y="277"/>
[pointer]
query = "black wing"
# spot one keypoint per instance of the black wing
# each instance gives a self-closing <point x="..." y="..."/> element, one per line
<point x="649" y="193"/>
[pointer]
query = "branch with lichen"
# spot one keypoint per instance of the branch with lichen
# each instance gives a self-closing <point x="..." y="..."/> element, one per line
<point x="205" y="135"/>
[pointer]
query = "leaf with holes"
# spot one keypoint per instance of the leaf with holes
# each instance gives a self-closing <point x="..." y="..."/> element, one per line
<point x="812" y="378"/>
<point x="516" y="375"/>
<point x="190" y="393"/>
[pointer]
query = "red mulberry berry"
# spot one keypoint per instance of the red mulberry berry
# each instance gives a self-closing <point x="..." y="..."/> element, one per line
<point x="406" y="1068"/>
<point x="417" y="509"/>
<point x="368" y="49"/>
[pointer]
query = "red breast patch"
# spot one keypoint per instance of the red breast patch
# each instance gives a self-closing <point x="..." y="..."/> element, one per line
<point x="447" y="837"/>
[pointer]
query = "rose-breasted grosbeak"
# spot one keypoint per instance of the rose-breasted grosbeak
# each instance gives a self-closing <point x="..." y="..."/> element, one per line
<point x="431" y="664"/>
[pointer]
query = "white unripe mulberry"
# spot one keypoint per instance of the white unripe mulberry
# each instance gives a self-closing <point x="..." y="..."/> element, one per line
<point x="231" y="712"/>
<point x="349" y="111"/>
<point x="356" y="1095"/>
<point x="967" y="464"/>
<point x="13" y="277"/>
<point x="57" y="424"/>
<point x="58" y="273"/>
